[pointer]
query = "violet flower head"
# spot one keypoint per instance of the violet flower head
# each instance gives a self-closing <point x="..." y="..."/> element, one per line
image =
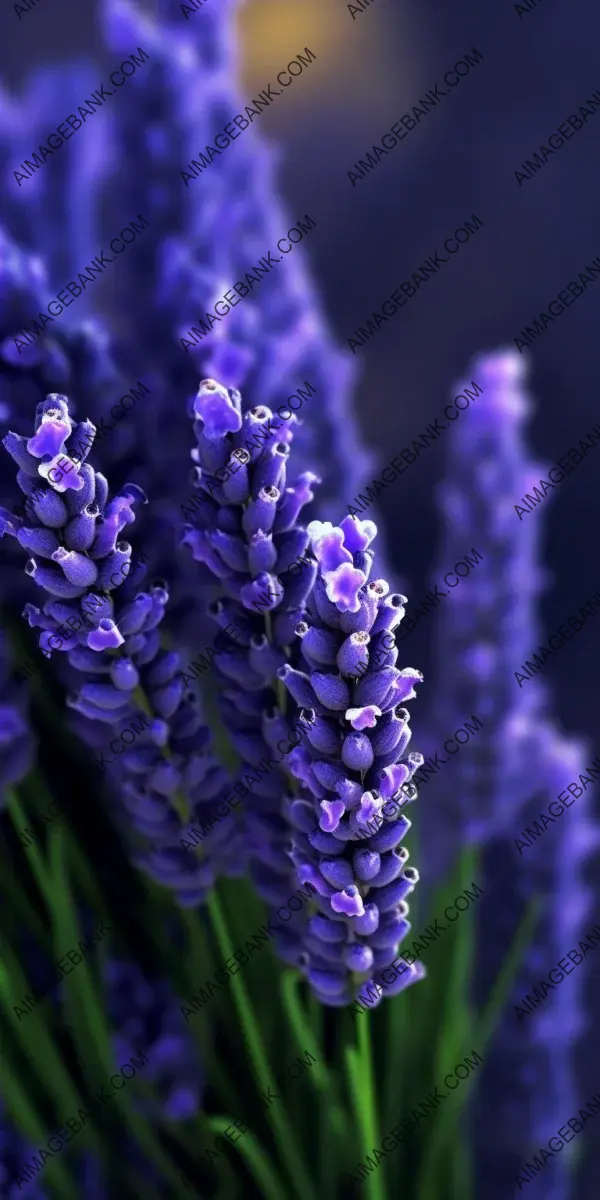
<point x="132" y="694"/>
<point x="353" y="770"/>
<point x="487" y="625"/>
<point x="247" y="534"/>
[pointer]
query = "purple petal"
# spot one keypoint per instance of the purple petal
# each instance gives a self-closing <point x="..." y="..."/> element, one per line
<point x="50" y="436"/>
<point x="105" y="637"/>
<point x="343" y="586"/>
<point x="328" y="546"/>
<point x="358" y="534"/>
<point x="348" y="902"/>
<point x="213" y="405"/>
<point x="370" y="806"/>
<point x="332" y="812"/>
<point x="363" y="718"/>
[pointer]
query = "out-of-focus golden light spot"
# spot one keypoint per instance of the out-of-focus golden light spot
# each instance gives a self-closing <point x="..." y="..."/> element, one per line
<point x="271" y="32"/>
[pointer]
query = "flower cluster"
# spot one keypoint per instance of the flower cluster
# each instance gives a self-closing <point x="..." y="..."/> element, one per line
<point x="348" y="823"/>
<point x="71" y="530"/>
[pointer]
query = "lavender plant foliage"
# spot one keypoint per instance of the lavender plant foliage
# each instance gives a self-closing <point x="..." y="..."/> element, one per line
<point x="208" y="234"/>
<point x="247" y="533"/>
<point x="353" y="776"/>
<point x="111" y="638"/>
<point x="529" y="1086"/>
<point x="488" y="624"/>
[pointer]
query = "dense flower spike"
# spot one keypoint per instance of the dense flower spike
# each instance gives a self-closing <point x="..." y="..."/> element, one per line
<point x="247" y="535"/>
<point x="486" y="626"/>
<point x="354" y="777"/>
<point x="132" y="690"/>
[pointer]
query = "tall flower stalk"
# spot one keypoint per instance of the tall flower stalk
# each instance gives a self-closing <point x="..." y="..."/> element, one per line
<point x="247" y="533"/>
<point x="488" y="624"/>
<point x="498" y="786"/>
<point x="354" y="777"/>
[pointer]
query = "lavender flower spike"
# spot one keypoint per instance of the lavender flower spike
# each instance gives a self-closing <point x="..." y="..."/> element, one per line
<point x="354" y="779"/>
<point x="132" y="691"/>
<point x="487" y="625"/>
<point x="247" y="534"/>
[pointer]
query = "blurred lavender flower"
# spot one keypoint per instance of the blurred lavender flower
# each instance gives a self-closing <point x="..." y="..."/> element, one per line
<point x="529" y="1085"/>
<point x="147" y="1020"/>
<point x="202" y="242"/>
<point x="71" y="529"/>
<point x="247" y="535"/>
<point x="17" y="742"/>
<point x="488" y="625"/>
<point x="62" y="192"/>
<point x="15" y="1155"/>
<point x="499" y="785"/>
<point x="348" y="825"/>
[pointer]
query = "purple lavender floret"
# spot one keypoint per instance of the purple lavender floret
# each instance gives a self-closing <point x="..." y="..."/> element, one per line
<point x="247" y="535"/>
<point x="110" y="634"/>
<point x="352" y="770"/>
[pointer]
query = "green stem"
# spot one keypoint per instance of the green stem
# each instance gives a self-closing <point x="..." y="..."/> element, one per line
<point x="283" y="1131"/>
<point x="256" y="1160"/>
<point x="38" y="866"/>
<point x="376" y="1183"/>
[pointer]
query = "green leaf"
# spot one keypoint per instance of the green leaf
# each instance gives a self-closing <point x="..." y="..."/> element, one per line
<point x="258" y="1163"/>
